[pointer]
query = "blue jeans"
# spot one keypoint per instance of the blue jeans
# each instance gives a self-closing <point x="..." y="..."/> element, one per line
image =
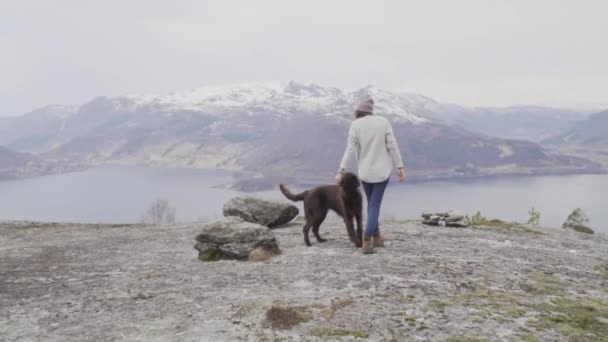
<point x="374" y="193"/>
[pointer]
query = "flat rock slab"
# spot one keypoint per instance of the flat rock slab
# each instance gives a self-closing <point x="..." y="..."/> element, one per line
<point x="232" y="238"/>
<point x="267" y="213"/>
<point x="80" y="282"/>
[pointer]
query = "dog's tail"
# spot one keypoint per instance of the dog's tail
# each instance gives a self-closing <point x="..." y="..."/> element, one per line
<point x="289" y="195"/>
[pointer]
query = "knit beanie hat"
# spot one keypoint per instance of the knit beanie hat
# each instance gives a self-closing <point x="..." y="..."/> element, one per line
<point x="365" y="104"/>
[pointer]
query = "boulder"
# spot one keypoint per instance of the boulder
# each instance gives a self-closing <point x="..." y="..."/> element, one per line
<point x="267" y="213"/>
<point x="234" y="238"/>
<point x="578" y="221"/>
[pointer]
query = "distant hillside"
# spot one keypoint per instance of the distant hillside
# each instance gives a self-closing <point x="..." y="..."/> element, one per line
<point x="593" y="130"/>
<point x="14" y="165"/>
<point x="11" y="161"/>
<point x="534" y="123"/>
<point x="37" y="131"/>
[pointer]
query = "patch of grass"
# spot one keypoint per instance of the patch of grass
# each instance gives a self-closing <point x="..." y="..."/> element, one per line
<point x="578" y="320"/>
<point x="326" y="331"/>
<point x="38" y="225"/>
<point x="119" y="225"/>
<point x="583" y="229"/>
<point x="529" y="230"/>
<point x="528" y="338"/>
<point x="246" y="309"/>
<point x="285" y="317"/>
<point x="410" y="320"/>
<point x="500" y="225"/>
<point x="437" y="305"/>
<point x="336" y="304"/>
<point x="407" y="299"/>
<point x="603" y="269"/>
<point x="543" y="285"/>
<point x="466" y="339"/>
<point x="498" y="305"/>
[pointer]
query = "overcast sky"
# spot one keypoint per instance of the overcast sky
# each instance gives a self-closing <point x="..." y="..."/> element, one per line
<point x="483" y="52"/>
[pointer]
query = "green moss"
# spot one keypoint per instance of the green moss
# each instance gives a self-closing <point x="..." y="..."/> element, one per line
<point x="326" y="331"/>
<point x="437" y="305"/>
<point x="210" y="254"/>
<point x="466" y="339"/>
<point x="578" y="320"/>
<point x="603" y="269"/>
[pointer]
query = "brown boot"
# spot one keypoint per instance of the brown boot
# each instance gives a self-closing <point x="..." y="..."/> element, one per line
<point x="378" y="241"/>
<point x="367" y="247"/>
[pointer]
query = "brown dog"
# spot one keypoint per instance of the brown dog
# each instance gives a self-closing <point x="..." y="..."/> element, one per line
<point x="344" y="199"/>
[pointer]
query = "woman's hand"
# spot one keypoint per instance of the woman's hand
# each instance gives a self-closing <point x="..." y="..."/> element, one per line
<point x="401" y="174"/>
<point x="339" y="177"/>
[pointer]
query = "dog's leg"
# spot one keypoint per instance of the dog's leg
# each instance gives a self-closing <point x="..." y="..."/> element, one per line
<point x="359" y="228"/>
<point x="348" y="220"/>
<point x="316" y="225"/>
<point x="305" y="231"/>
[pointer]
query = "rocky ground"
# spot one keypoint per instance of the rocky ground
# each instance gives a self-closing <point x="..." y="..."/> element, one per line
<point x="86" y="282"/>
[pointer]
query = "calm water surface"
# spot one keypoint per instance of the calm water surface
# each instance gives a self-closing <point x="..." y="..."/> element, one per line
<point x="122" y="194"/>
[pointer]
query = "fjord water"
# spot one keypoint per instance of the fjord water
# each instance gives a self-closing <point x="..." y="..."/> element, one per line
<point x="122" y="194"/>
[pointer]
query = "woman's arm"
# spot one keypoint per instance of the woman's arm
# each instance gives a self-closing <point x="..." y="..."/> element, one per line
<point x="351" y="145"/>
<point x="392" y="147"/>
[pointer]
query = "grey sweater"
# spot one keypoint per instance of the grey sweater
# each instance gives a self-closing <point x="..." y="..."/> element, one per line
<point x="372" y="141"/>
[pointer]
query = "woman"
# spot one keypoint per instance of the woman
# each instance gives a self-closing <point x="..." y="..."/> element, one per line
<point x="371" y="138"/>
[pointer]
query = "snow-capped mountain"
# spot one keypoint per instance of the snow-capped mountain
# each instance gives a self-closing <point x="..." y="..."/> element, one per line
<point x="282" y="99"/>
<point x="274" y="130"/>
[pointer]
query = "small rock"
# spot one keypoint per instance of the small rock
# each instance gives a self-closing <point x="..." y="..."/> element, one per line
<point x="445" y="219"/>
<point x="142" y="295"/>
